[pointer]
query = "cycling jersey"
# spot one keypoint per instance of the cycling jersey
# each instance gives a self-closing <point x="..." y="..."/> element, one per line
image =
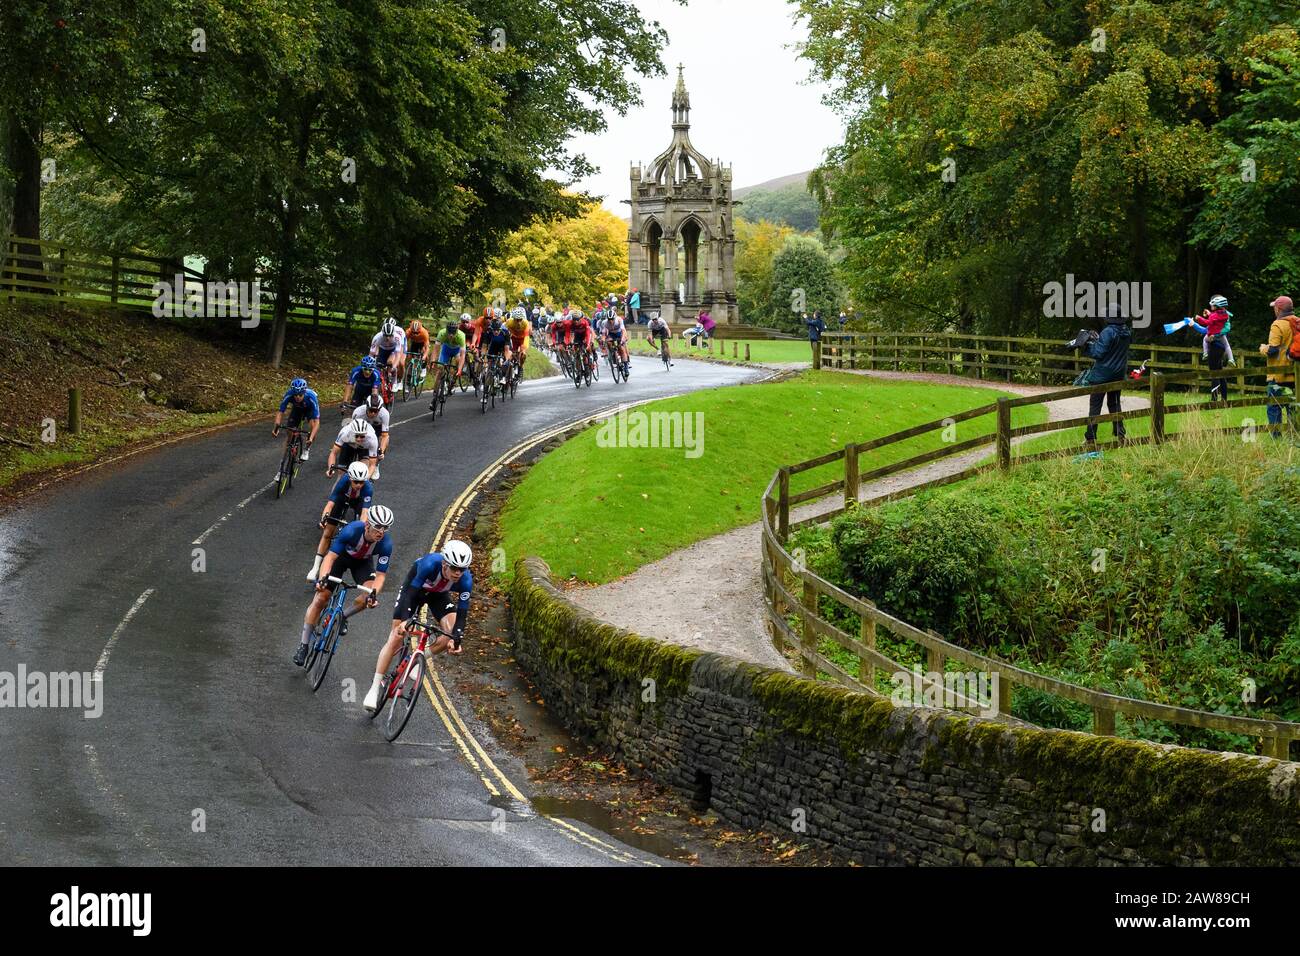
<point x="579" y="331"/>
<point x="382" y="346"/>
<point x="519" y="330"/>
<point x="361" y="385"/>
<point x="379" y="422"/>
<point x="343" y="494"/>
<point x="496" y="341"/>
<point x="426" y="586"/>
<point x="351" y="542"/>
<point x="416" y="343"/>
<point x="659" y="329"/>
<point x="306" y="410"/>
<point x="370" y="446"/>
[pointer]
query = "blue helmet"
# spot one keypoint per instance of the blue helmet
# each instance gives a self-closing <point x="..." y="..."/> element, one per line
<point x="368" y="362"/>
<point x="298" y="385"/>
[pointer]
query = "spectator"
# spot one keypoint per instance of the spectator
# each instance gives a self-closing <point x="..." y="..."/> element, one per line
<point x="815" y="329"/>
<point x="1281" y="372"/>
<point x="634" y="307"/>
<point x="1109" y="352"/>
<point x="844" y="320"/>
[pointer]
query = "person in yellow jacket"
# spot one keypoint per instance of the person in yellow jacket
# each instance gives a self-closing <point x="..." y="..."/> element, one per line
<point x="1281" y="370"/>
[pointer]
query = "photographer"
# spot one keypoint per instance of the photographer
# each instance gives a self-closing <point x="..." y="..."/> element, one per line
<point x="1109" y="352"/>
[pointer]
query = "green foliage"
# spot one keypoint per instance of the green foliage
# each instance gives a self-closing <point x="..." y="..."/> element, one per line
<point x="1170" y="574"/>
<point x="802" y="273"/>
<point x="791" y="205"/>
<point x="992" y="148"/>
<point x="757" y="245"/>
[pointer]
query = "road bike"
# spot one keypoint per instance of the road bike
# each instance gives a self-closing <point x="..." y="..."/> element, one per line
<point x="491" y="382"/>
<point x="326" y="635"/>
<point x="413" y="382"/>
<point x="401" y="685"/>
<point x="442" y="387"/>
<point x="386" y="386"/>
<point x="291" y="460"/>
<point x="617" y="367"/>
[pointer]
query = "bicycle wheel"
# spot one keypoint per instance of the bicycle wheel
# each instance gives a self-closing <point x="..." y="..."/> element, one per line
<point x="295" y="452"/>
<point x="286" y="472"/>
<point x="405" y="699"/>
<point x="325" y="650"/>
<point x="418" y="387"/>
<point x="314" y="642"/>
<point x="394" y="669"/>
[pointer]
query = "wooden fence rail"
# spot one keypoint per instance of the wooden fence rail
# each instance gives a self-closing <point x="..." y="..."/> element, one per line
<point x="793" y="591"/>
<point x="127" y="281"/>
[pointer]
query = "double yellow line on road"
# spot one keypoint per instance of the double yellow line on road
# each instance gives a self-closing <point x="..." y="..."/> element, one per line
<point x="488" y="772"/>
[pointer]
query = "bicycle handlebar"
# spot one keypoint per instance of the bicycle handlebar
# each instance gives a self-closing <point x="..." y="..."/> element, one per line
<point x="360" y="587"/>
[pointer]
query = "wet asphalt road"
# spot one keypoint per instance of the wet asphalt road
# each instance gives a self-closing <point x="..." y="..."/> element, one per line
<point x="211" y="748"/>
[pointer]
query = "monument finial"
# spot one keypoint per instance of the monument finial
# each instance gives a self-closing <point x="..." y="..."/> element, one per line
<point x="681" y="99"/>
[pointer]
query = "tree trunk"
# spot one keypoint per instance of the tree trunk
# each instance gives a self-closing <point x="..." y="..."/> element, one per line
<point x="288" y="239"/>
<point x="411" y="289"/>
<point x="25" y="161"/>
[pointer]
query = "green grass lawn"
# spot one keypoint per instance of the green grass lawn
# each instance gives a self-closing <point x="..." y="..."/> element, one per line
<point x="760" y="350"/>
<point x="622" y="507"/>
<point x="537" y="365"/>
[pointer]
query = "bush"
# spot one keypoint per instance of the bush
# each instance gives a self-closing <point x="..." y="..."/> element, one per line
<point x="923" y="563"/>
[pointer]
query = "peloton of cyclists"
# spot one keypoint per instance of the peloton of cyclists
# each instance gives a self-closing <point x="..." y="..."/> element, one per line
<point x="362" y="549"/>
<point x="303" y="405"/>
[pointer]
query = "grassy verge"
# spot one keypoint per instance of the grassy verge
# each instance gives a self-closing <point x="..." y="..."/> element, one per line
<point x="537" y="365"/>
<point x="141" y="378"/>
<point x="598" y="512"/>
<point x="760" y="350"/>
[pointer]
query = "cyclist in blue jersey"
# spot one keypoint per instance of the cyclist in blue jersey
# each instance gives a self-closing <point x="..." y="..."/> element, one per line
<point x="352" y="493"/>
<point x="443" y="583"/>
<point x="496" y="340"/>
<point x="303" y="406"/>
<point x="362" y="548"/>
<point x="363" y="380"/>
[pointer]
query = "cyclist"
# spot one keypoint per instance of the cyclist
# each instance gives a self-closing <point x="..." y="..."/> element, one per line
<point x="302" y="404"/>
<point x="373" y="413"/>
<point x="417" y="343"/>
<point x="388" y="347"/>
<point x="520" y="333"/>
<point x="581" y="337"/>
<point x="352" y="492"/>
<point x="658" y="331"/>
<point x="442" y="582"/>
<point x="362" y="548"/>
<point x="451" y="349"/>
<point x="615" y="333"/>
<point x="363" y="380"/>
<point x="496" y="341"/>
<point x="356" y="441"/>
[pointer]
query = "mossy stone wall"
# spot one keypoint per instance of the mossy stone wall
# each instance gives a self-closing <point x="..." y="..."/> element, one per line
<point x="881" y="784"/>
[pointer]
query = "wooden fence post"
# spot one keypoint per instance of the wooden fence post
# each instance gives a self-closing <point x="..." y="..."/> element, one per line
<point x="817" y="355"/>
<point x="783" y="504"/>
<point x="1004" y="433"/>
<point x="850" y="475"/>
<point x="1042" y="364"/>
<point x="74" y="410"/>
<point x="867" y="669"/>
<point x="1157" y="408"/>
<point x="1103" y="722"/>
<point x="746" y="351"/>
<point x="807" y="641"/>
<point x="117" y="268"/>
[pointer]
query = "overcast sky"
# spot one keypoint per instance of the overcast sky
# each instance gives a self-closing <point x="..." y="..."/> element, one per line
<point x="750" y="104"/>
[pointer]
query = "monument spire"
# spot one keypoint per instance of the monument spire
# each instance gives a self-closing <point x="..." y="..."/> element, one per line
<point x="681" y="100"/>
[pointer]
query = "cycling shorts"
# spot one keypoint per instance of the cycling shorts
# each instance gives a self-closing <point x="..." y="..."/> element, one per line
<point x="659" y="333"/>
<point x="447" y="354"/>
<point x="410" y="600"/>
<point x="361" y="569"/>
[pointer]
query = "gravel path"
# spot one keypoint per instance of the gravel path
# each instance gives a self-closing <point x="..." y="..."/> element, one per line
<point x="725" y="615"/>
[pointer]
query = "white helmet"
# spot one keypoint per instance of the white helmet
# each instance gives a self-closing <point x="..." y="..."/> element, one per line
<point x="389" y="329"/>
<point x="380" y="517"/>
<point x="354" y="429"/>
<point x="358" y="471"/>
<point x="457" y="554"/>
<point x="465" y="317"/>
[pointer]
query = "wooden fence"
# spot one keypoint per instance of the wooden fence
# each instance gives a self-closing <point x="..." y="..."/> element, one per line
<point x="1007" y="358"/>
<point x="793" y="591"/>
<point x="127" y="281"/>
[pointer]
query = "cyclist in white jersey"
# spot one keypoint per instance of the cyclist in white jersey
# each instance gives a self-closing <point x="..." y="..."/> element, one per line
<point x="356" y="441"/>
<point x="389" y="348"/>
<point x="373" y="413"/>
